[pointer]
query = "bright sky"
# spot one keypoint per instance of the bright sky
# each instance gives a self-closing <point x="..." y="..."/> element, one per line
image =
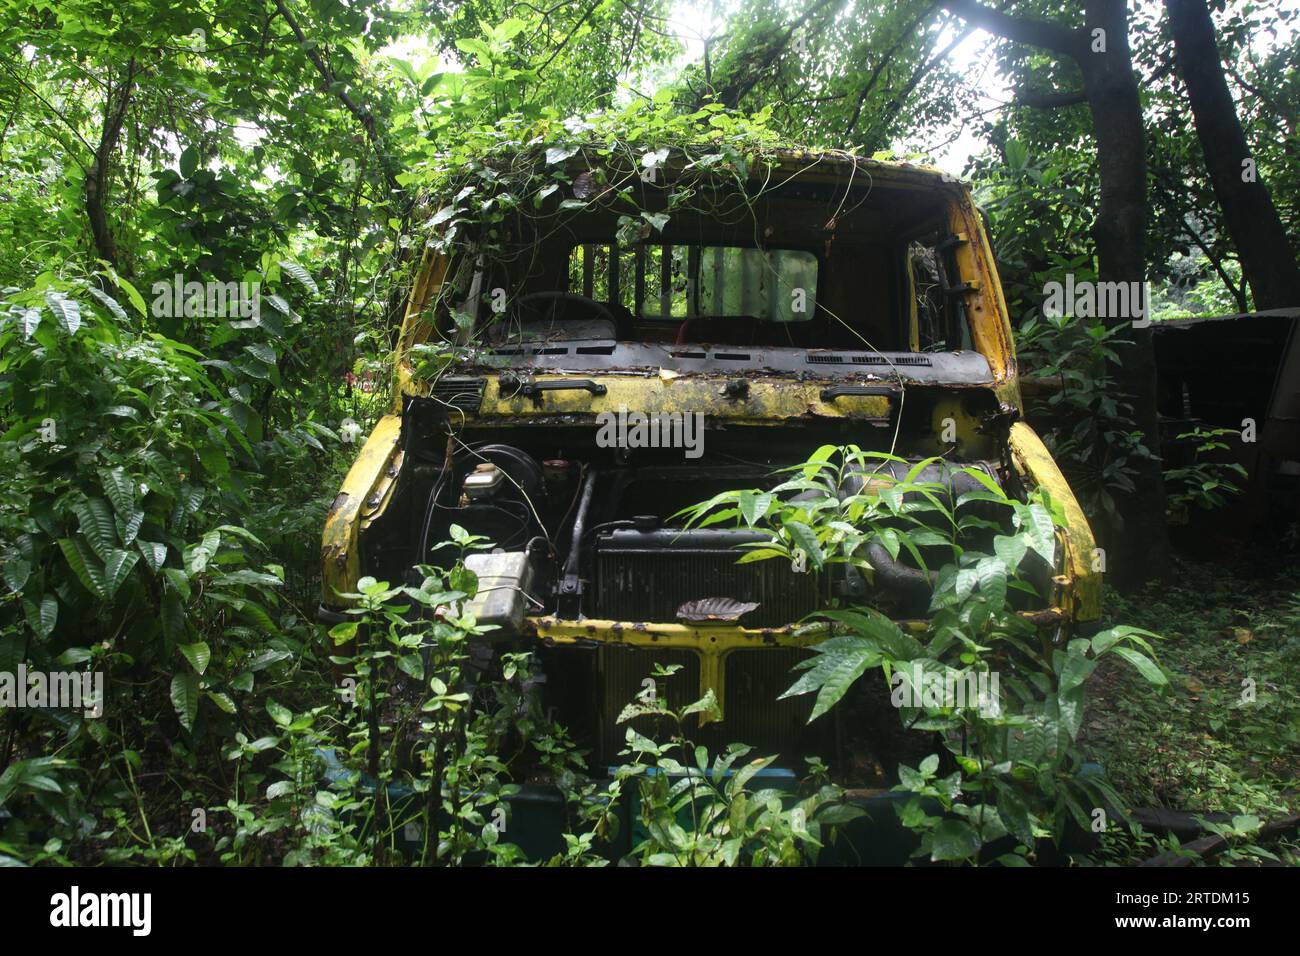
<point x="951" y="146"/>
<point x="692" y="21"/>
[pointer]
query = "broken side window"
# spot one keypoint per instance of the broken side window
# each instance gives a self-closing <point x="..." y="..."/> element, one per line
<point x="940" y="313"/>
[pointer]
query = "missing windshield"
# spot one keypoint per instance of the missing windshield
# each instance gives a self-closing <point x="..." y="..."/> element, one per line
<point x="684" y="283"/>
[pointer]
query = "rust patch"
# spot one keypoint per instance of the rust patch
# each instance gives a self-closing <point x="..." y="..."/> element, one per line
<point x="340" y="500"/>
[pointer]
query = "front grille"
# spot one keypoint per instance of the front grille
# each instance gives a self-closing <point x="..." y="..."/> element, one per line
<point x="623" y="671"/>
<point x="647" y="576"/>
<point x="755" y="679"/>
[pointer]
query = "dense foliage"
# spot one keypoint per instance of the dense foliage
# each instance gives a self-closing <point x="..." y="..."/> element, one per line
<point x="167" y="461"/>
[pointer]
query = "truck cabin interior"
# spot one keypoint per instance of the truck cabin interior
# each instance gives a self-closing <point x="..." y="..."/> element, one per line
<point x="801" y="264"/>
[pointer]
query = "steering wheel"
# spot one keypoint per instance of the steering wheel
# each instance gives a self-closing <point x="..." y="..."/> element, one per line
<point x="554" y="297"/>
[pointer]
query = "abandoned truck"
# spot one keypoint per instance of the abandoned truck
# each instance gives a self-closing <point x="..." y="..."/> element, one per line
<point x="826" y="299"/>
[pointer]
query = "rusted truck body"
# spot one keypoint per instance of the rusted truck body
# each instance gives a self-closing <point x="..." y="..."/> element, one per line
<point x="837" y="301"/>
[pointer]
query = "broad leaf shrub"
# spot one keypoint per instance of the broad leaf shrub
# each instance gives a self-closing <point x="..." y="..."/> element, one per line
<point x="133" y="471"/>
<point x="697" y="811"/>
<point x="1009" y="777"/>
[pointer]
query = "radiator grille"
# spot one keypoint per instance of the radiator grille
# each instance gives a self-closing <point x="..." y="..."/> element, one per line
<point x="755" y="679"/>
<point x="622" y="671"/>
<point x="652" y="586"/>
<point x="754" y="716"/>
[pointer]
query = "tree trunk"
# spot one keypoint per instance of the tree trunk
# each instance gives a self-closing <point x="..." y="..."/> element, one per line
<point x="1267" y="261"/>
<point x="1140" y="550"/>
<point x="95" y="185"/>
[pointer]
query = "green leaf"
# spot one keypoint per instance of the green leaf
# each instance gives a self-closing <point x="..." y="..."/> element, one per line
<point x="262" y="352"/>
<point x="96" y="523"/>
<point x="992" y="575"/>
<point x="197" y="558"/>
<point x="301" y="275"/>
<point x="282" y="306"/>
<point x="108" y="302"/>
<point x="953" y="840"/>
<point x="132" y="293"/>
<point x="281" y="714"/>
<point x="557" y="154"/>
<point x="1076" y="670"/>
<point x="1144" y="665"/>
<point x="411" y="664"/>
<point x="185" y="697"/>
<point x="1041" y="530"/>
<point x="760" y="554"/>
<point x="806" y="539"/>
<point x="74" y="656"/>
<point x="1069" y="704"/>
<point x="1015" y="815"/>
<point x="1011" y="550"/>
<point x="222" y="700"/>
<point x="117" y="568"/>
<point x="16" y="573"/>
<point x="119" y="489"/>
<point x="754" y="507"/>
<point x="28" y="320"/>
<point x="838" y="663"/>
<point x="189" y="162"/>
<point x="178" y="581"/>
<point x="84" y="564"/>
<point x="41" y="619"/>
<point x="198" y="654"/>
<point x="65" y="310"/>
<point x="173" y="618"/>
<point x="478" y="48"/>
<point x="153" y="552"/>
<point x="282" y="788"/>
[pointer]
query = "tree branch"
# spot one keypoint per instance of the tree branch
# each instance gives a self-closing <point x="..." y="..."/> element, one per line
<point x="363" y="115"/>
<point x="95" y="181"/>
<point x="49" y="106"/>
<point x="875" y="74"/>
<point x="1238" y="294"/>
<point x="734" y="95"/>
<point x="569" y="36"/>
<point x="1019" y="29"/>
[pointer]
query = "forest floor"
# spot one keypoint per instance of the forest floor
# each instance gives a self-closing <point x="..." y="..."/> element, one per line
<point x="1224" y="735"/>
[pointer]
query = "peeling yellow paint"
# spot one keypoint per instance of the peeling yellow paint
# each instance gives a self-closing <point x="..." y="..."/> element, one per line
<point x="365" y="493"/>
<point x="712" y="642"/>
<point x="768" y="401"/>
<point x="1080" y="592"/>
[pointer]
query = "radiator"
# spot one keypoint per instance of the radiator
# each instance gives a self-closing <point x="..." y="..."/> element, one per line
<point x="754" y="716"/>
<point x="648" y="575"/>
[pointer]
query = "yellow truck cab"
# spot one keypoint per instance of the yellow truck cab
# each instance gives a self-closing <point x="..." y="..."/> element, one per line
<point x="568" y="394"/>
